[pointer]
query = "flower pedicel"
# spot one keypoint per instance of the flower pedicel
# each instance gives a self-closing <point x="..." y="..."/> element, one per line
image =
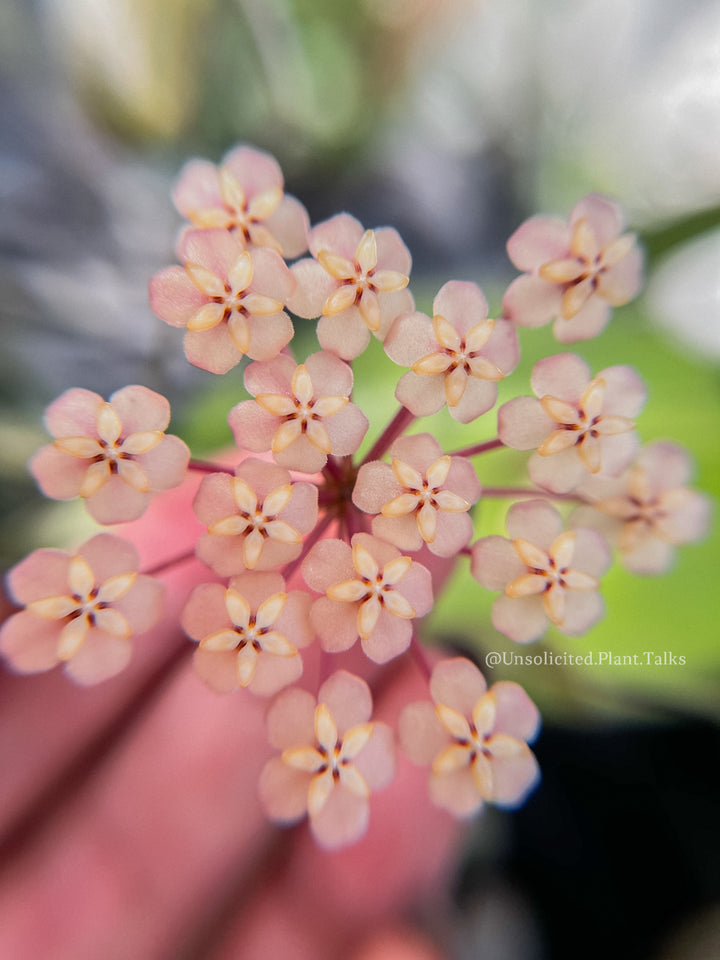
<point x="312" y="550"/>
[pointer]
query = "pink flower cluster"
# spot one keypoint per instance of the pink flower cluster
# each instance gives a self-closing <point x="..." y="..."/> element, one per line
<point x="323" y="564"/>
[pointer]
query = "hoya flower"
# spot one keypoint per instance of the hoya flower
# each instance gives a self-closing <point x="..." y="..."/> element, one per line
<point x="580" y="426"/>
<point x="575" y="272"/>
<point x="546" y="575"/>
<point x="332" y="759"/>
<point x="456" y="358"/>
<point x="245" y="195"/>
<point x="648" y="510"/>
<point x="229" y="299"/>
<point x="80" y="609"/>
<point x="255" y="520"/>
<point x="371" y="592"/>
<point x="249" y="632"/>
<point x="422" y="497"/>
<point x="355" y="284"/>
<point x="301" y="412"/>
<point x="474" y="739"/>
<point x="114" y="454"/>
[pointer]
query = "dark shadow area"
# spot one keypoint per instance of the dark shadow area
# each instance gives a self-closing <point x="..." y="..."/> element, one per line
<point x="620" y="846"/>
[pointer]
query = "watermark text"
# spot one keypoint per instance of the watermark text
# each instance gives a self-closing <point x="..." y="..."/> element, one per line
<point x="595" y="658"/>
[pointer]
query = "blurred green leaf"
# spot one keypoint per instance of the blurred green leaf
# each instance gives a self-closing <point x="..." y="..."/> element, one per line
<point x="666" y="237"/>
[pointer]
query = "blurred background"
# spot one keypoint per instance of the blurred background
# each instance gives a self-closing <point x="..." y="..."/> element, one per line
<point x="453" y="122"/>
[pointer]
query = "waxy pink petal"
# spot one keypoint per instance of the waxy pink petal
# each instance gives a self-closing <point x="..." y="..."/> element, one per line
<point x="245" y="195"/>
<point x="538" y="240"/>
<point x="219" y="619"/>
<point x="578" y="425"/>
<point x="575" y="272"/>
<point x="300" y="436"/>
<point x="333" y="757"/>
<point x="474" y="740"/>
<point x="114" y="454"/>
<point x="458" y="684"/>
<point x="379" y="489"/>
<point x="80" y="608"/>
<point x="647" y="510"/>
<point x="243" y="293"/>
<point x="262" y="539"/>
<point x="351" y="609"/>
<point x="543" y="573"/>
<point x="355" y="284"/>
<point x="455" y="358"/>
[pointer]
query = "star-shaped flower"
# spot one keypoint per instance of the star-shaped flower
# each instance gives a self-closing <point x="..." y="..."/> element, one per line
<point x="579" y="425"/>
<point x="249" y="633"/>
<point x="80" y="609"/>
<point x="245" y="196"/>
<point x="422" y="497"/>
<point x="255" y="520"/>
<point x="457" y="358"/>
<point x="113" y="454"/>
<point x="333" y="757"/>
<point x="575" y="272"/>
<point x="474" y="739"/>
<point x="301" y="412"/>
<point x="648" y="510"/>
<point x="229" y="299"/>
<point x="545" y="574"/>
<point x="371" y="592"/>
<point x="355" y="284"/>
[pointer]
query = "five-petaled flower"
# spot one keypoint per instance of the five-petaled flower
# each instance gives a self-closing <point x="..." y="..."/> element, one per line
<point x="579" y="425"/>
<point x="229" y="299"/>
<point x="545" y="574"/>
<point x="457" y="357"/>
<point x="249" y="632"/>
<point x="648" y="510"/>
<point x="371" y="591"/>
<point x="474" y="739"/>
<point x="80" y="609"/>
<point x="114" y="454"/>
<point x="575" y="272"/>
<point x="301" y="412"/>
<point x="355" y="285"/>
<point x="255" y="520"/>
<point x="421" y="497"/>
<point x="332" y="758"/>
<point x="245" y="196"/>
